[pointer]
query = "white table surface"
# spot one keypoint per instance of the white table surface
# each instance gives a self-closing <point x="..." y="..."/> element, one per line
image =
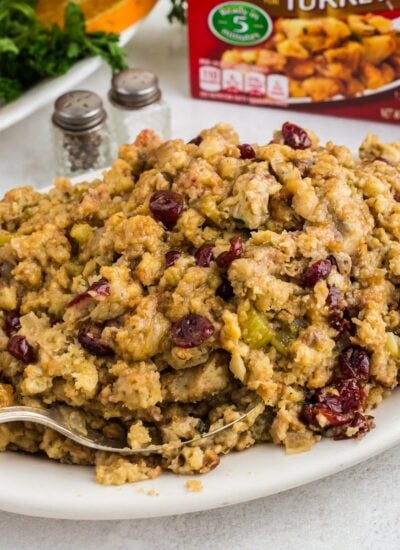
<point x="356" y="509"/>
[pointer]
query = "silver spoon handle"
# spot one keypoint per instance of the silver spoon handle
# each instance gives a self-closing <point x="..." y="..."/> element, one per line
<point x="51" y="419"/>
<point x="47" y="418"/>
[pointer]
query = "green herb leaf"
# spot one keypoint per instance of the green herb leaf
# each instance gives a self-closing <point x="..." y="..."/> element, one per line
<point x="178" y="12"/>
<point x="29" y="51"/>
<point x="9" y="89"/>
<point x="8" y="45"/>
<point x="74" y="21"/>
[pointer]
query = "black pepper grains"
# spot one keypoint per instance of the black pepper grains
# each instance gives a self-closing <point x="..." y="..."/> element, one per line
<point x="82" y="138"/>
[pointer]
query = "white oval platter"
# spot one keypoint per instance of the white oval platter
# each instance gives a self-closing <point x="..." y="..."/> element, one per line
<point x="37" y="486"/>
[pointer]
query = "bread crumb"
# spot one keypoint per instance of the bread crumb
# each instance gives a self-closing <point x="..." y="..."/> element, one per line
<point x="150" y="492"/>
<point x="194" y="486"/>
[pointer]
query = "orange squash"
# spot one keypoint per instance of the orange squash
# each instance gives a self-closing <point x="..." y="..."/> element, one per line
<point x="105" y="15"/>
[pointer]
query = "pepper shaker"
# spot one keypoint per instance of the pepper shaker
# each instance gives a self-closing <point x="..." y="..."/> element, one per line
<point x="82" y="139"/>
<point x="136" y="104"/>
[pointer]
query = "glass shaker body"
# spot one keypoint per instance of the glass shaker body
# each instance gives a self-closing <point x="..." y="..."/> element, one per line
<point x="136" y="104"/>
<point x="77" y="152"/>
<point x="82" y="137"/>
<point x="128" y="123"/>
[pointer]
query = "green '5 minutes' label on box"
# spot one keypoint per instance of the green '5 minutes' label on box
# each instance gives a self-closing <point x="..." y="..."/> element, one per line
<point x="240" y="23"/>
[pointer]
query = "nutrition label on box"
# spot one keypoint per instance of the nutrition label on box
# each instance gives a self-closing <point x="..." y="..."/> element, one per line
<point x="216" y="78"/>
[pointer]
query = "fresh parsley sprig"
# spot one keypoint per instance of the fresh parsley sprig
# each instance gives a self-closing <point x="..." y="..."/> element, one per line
<point x="178" y="11"/>
<point x="30" y="52"/>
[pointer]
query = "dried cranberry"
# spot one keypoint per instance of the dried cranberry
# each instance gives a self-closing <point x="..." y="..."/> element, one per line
<point x="317" y="271"/>
<point x="225" y="259"/>
<point x="336" y="317"/>
<point x="333" y="261"/>
<point x="204" y="255"/>
<point x="363" y="423"/>
<point x="334" y="299"/>
<point x="12" y="323"/>
<point x="89" y="337"/>
<point x="79" y="298"/>
<point x="225" y="290"/>
<point x="338" y="322"/>
<point x="295" y="137"/>
<point x="196" y="141"/>
<point x="337" y="404"/>
<point x="99" y="288"/>
<point x="54" y="319"/>
<point x="246" y="151"/>
<point x="19" y="347"/>
<point x="311" y="415"/>
<point x="350" y="397"/>
<point x="166" y="207"/>
<point x="354" y="363"/>
<point x="347" y="315"/>
<point x="191" y="330"/>
<point x="352" y="311"/>
<point x="307" y="414"/>
<point x="171" y="257"/>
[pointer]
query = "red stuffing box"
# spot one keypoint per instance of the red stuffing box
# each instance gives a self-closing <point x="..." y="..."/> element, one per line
<point x="335" y="57"/>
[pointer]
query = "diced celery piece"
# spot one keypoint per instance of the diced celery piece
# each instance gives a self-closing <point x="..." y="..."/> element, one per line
<point x="28" y="212"/>
<point x="393" y="344"/>
<point x="73" y="269"/>
<point x="81" y="232"/>
<point x="256" y="329"/>
<point x="281" y="340"/>
<point x="5" y="237"/>
<point x="257" y="332"/>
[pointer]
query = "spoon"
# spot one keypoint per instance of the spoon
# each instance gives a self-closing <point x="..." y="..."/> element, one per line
<point x="52" y="418"/>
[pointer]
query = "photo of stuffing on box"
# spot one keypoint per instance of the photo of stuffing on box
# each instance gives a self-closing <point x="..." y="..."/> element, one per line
<point x="343" y="59"/>
<point x="327" y="57"/>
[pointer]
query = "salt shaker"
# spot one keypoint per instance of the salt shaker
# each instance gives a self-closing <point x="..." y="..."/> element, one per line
<point x="136" y="104"/>
<point x="82" y="138"/>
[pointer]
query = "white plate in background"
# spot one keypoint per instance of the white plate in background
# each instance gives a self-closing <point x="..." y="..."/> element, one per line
<point x="48" y="90"/>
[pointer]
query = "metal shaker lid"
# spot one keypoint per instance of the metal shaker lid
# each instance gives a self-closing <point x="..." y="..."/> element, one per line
<point x="134" y="88"/>
<point x="78" y="110"/>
